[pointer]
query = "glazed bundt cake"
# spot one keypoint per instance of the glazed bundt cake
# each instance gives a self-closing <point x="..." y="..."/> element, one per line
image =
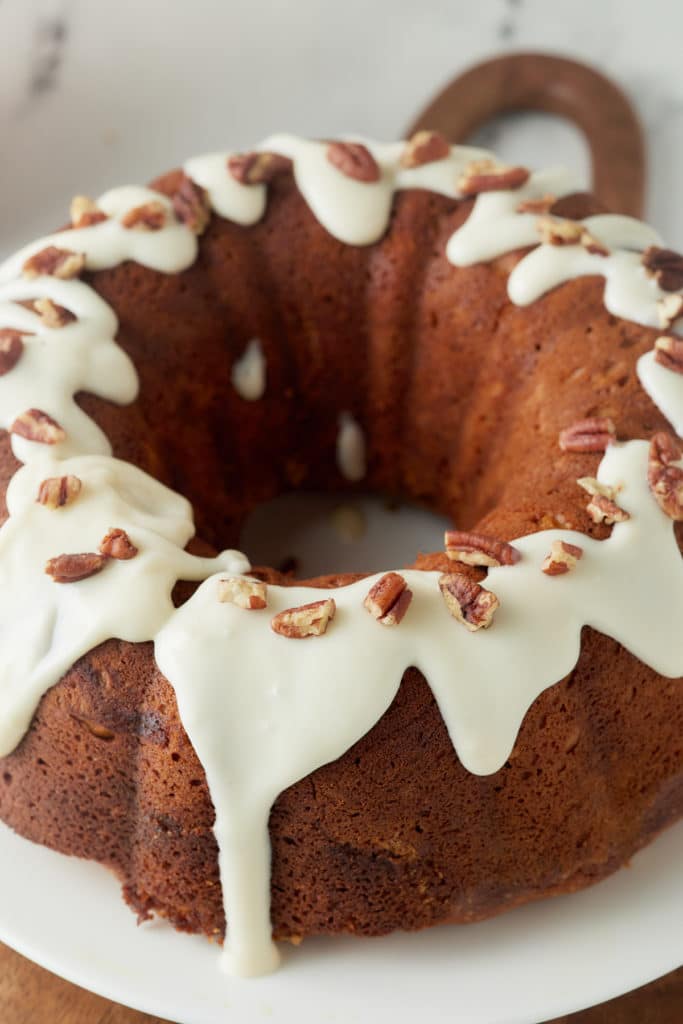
<point x="499" y="722"/>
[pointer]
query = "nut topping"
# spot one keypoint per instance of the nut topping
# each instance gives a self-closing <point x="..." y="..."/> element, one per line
<point x="51" y="313"/>
<point x="562" y="558"/>
<point x="36" y="425"/>
<point x="666" y="266"/>
<point x="354" y="161"/>
<point x="589" y="435"/>
<point x="85" y="212"/>
<point x="191" y="205"/>
<point x="556" y="231"/>
<point x="245" y="593"/>
<point x="148" y="217"/>
<point x="488" y="176"/>
<point x="669" y="309"/>
<point x="11" y="349"/>
<point x="602" y="508"/>
<point x="306" y="620"/>
<point x="257" y="168"/>
<point x="54" y="262"/>
<point x="425" y="147"/>
<point x="543" y="204"/>
<point x="388" y="599"/>
<point x="57" y="491"/>
<point x="664" y="476"/>
<point x="117" y="544"/>
<point x="72" y="568"/>
<point x="476" y="549"/>
<point x="669" y="353"/>
<point x="468" y="602"/>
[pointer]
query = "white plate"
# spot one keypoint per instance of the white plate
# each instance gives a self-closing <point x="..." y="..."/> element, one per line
<point x="534" y="963"/>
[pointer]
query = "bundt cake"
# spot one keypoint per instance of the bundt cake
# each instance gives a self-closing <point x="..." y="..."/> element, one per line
<point x="499" y="722"/>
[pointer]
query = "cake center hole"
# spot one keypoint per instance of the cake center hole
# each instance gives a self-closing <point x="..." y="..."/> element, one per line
<point x="317" y="534"/>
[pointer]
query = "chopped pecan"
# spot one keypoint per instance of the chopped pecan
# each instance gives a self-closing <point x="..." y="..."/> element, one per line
<point x="467" y="601"/>
<point x="488" y="176"/>
<point x="425" y="147"/>
<point x="664" y="476"/>
<point x="669" y="309"/>
<point x="257" y="168"/>
<point x="543" y="204"/>
<point x="54" y="262"/>
<point x="669" y="353"/>
<point x="11" y="348"/>
<point x="593" y="245"/>
<point x="85" y="212"/>
<point x="476" y="549"/>
<point x="72" y="568"/>
<point x="388" y="599"/>
<point x="666" y="266"/>
<point x="117" y="544"/>
<point x="245" y="593"/>
<point x="51" y="313"/>
<point x="147" y="217"/>
<point x="589" y="435"/>
<point x="353" y="160"/>
<point x="306" y="620"/>
<point x="36" y="425"/>
<point x="57" y="491"/>
<point x="556" y="231"/>
<point x="602" y="508"/>
<point x="191" y="205"/>
<point x="562" y="558"/>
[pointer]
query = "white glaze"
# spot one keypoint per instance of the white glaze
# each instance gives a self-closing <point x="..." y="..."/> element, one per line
<point x="263" y="711"/>
<point x="46" y="626"/>
<point x="286" y="707"/>
<point x="351" y="460"/>
<point x="248" y="374"/>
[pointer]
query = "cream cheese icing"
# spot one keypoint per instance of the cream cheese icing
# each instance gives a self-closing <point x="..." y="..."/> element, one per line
<point x="260" y="726"/>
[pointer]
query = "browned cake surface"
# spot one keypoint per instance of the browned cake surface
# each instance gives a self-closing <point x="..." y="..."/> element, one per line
<point x="461" y="396"/>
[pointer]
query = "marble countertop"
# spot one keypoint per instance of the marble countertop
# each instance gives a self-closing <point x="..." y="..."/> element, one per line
<point x="95" y="93"/>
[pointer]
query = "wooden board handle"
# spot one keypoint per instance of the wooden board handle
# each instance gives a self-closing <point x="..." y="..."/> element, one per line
<point x="537" y="81"/>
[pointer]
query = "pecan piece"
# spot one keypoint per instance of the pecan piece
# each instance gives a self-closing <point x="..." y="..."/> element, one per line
<point x="54" y="262"/>
<point x="602" y="508"/>
<point x="72" y="568"/>
<point x="11" y="349"/>
<point x="664" y="476"/>
<point x="589" y="435"/>
<point x="306" y="620"/>
<point x="245" y="593"/>
<point x="257" y="168"/>
<point x="476" y="549"/>
<point x="353" y="160"/>
<point x="467" y="601"/>
<point x="191" y="205"/>
<point x="85" y="212"/>
<point x="36" y="425"/>
<point x="556" y="231"/>
<point x="117" y="544"/>
<point x="593" y="245"/>
<point x="388" y="599"/>
<point x="666" y="266"/>
<point x="669" y="353"/>
<point x="562" y="558"/>
<point x="148" y="217"/>
<point x="669" y="310"/>
<point x="488" y="176"/>
<point x="425" y="147"/>
<point x="51" y="313"/>
<point x="57" y="491"/>
<point x="543" y="204"/>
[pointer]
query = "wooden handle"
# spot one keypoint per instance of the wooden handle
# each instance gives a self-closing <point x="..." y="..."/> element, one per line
<point x="536" y="81"/>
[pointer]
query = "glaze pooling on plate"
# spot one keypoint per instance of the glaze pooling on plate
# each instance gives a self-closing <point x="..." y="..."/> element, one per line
<point x="269" y="721"/>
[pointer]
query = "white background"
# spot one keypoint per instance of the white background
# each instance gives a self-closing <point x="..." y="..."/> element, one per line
<point x="95" y="93"/>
